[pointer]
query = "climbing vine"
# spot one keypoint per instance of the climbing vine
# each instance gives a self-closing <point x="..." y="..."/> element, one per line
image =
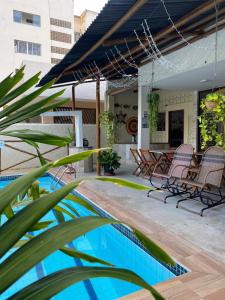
<point x="107" y="121"/>
<point x="212" y="120"/>
<point x="153" y="107"/>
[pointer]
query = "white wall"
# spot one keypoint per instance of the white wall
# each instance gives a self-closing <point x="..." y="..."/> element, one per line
<point x="178" y="100"/>
<point x="193" y="57"/>
<point x="10" y="157"/>
<point x="127" y="98"/>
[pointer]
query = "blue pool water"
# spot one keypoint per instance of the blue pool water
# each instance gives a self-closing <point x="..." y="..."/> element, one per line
<point x="107" y="243"/>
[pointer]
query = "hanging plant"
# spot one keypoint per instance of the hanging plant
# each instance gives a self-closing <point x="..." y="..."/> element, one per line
<point x="211" y="101"/>
<point x="107" y="121"/>
<point x="212" y="120"/>
<point x="153" y="107"/>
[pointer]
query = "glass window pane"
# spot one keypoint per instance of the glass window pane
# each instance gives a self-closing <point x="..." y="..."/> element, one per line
<point x="17" y="16"/>
<point x="30" y="48"/>
<point x="22" y="47"/>
<point x="36" y="20"/>
<point x="36" y="49"/>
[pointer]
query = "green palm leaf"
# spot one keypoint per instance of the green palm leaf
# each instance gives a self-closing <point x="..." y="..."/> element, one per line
<point x="19" y="262"/>
<point x="23" y="221"/>
<point x="9" y="82"/>
<point x="124" y="182"/>
<point x="50" y="285"/>
<point x="84" y="256"/>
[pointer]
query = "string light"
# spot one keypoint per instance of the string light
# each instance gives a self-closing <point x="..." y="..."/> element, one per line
<point x="178" y="31"/>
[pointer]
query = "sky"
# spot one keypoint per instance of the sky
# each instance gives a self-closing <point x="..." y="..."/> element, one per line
<point x="81" y="5"/>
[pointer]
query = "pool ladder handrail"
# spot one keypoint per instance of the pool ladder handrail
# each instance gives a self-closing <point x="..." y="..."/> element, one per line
<point x="57" y="178"/>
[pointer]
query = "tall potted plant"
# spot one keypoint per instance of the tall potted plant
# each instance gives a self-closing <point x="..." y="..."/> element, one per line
<point x="109" y="159"/>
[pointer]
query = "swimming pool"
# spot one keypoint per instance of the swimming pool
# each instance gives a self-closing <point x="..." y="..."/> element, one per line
<point x="115" y="244"/>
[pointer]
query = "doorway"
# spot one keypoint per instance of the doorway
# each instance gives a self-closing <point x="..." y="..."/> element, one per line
<point x="176" y="128"/>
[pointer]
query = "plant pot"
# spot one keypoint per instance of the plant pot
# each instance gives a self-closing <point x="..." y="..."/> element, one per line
<point x="108" y="171"/>
<point x="210" y="105"/>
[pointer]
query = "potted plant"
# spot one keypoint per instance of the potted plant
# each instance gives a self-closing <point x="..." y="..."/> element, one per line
<point x="211" y="100"/>
<point x="110" y="161"/>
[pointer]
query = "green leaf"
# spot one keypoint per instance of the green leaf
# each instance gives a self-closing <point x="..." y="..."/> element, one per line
<point x="13" y="189"/>
<point x="40" y="225"/>
<point x="67" y="205"/>
<point x="28" y="217"/>
<point x="34" y="190"/>
<point x="64" y="211"/>
<point x="38" y="137"/>
<point x="19" y="91"/>
<point x="20" y="261"/>
<point x="50" y="285"/>
<point x="42" y="160"/>
<point x="9" y="82"/>
<point x="153" y="248"/>
<point x="59" y="216"/>
<point x="8" y="211"/>
<point x="28" y="108"/>
<point x="126" y="183"/>
<point x="74" y="158"/>
<point x="84" y="256"/>
<point x="80" y="201"/>
<point x="22" y="115"/>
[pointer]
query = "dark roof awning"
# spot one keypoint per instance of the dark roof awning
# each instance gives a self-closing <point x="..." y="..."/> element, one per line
<point x="98" y="51"/>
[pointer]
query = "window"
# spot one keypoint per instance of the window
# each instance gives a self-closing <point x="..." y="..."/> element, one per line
<point x="27" y="47"/>
<point x="77" y="35"/>
<point x="26" y="18"/>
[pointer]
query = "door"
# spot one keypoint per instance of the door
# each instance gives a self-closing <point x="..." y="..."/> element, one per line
<point x="176" y="128"/>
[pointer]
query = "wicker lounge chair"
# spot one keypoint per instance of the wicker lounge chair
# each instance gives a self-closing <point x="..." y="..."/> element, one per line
<point x="139" y="162"/>
<point x="208" y="179"/>
<point x="177" y="169"/>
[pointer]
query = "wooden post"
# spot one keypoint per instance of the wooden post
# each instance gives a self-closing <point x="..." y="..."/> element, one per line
<point x="73" y="108"/>
<point x="98" y="130"/>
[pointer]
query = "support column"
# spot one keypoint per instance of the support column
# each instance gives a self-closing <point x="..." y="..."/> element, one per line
<point x="143" y="124"/>
<point x="98" y="130"/>
<point x="73" y="109"/>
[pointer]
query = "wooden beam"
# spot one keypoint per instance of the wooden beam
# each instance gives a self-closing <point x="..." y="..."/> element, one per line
<point x="121" y="90"/>
<point x="98" y="130"/>
<point x="110" y="43"/>
<point x="138" y="4"/>
<point x="73" y="108"/>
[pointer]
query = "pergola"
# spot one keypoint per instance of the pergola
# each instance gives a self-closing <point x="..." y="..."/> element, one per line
<point x="111" y="40"/>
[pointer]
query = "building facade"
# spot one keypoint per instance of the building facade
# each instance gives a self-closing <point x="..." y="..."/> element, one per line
<point x="38" y="34"/>
<point x="36" y="31"/>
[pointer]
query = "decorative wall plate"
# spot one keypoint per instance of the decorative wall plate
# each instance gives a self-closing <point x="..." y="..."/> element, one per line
<point x="132" y="125"/>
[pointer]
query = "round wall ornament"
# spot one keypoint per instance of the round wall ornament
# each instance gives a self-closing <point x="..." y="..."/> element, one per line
<point x="132" y="125"/>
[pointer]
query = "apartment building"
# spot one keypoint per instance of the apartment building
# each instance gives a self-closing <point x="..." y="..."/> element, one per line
<point x="82" y="22"/>
<point x="38" y="34"/>
<point x="36" y="31"/>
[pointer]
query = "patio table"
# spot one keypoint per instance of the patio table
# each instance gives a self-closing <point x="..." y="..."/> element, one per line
<point x="164" y="155"/>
